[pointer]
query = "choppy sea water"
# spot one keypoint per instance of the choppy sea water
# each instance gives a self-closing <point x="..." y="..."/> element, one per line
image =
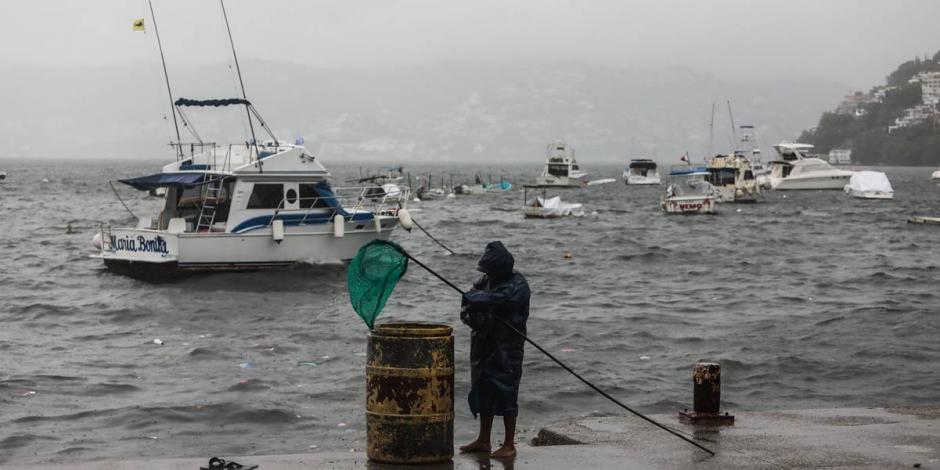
<point x="811" y="299"/>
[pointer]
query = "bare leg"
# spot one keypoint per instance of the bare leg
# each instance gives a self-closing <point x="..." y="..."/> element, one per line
<point x="482" y="444"/>
<point x="508" y="449"/>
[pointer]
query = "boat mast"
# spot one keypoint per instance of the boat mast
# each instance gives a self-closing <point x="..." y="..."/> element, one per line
<point x="166" y="76"/>
<point x="711" y="132"/>
<point x="734" y="131"/>
<point x="241" y="83"/>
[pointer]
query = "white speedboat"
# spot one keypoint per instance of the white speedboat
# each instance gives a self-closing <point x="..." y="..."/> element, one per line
<point x="247" y="206"/>
<point x="733" y="178"/>
<point x="799" y="170"/>
<point x="690" y="193"/>
<point x="561" y="169"/>
<point x="641" y="171"/>
<point x="870" y="185"/>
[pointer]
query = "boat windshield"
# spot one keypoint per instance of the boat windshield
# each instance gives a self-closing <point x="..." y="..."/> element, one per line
<point x="691" y="186"/>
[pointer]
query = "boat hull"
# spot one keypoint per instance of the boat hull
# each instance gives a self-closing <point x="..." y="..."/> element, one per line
<point x="836" y="182"/>
<point x="642" y="180"/>
<point x="690" y="205"/>
<point x="871" y="194"/>
<point x="144" y="251"/>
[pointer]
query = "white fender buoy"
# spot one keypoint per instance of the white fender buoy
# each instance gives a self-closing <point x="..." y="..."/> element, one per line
<point x="404" y="217"/>
<point x="339" y="226"/>
<point x="378" y="223"/>
<point x="96" y="240"/>
<point x="277" y="230"/>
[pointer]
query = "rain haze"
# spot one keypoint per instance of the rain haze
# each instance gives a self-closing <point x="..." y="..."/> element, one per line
<point x="426" y="80"/>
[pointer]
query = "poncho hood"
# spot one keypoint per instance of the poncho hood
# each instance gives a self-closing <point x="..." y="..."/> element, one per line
<point x="496" y="261"/>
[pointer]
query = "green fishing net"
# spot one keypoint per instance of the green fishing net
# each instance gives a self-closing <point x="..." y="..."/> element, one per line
<point x="372" y="277"/>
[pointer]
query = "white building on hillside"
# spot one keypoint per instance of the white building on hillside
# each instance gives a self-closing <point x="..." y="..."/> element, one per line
<point x="840" y="157"/>
<point x="930" y="86"/>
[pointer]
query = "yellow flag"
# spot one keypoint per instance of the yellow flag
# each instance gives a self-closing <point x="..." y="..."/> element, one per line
<point x="138" y="25"/>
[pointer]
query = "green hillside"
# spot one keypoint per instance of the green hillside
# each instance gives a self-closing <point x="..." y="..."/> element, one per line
<point x="868" y="123"/>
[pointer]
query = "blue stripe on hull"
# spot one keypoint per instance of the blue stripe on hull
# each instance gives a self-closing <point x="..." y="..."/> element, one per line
<point x="293" y="220"/>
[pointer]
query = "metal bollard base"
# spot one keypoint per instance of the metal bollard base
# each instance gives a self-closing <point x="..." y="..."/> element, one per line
<point x="706" y="419"/>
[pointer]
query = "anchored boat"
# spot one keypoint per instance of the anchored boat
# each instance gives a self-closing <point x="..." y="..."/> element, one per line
<point x="641" y="171"/>
<point x="797" y="169"/>
<point x="247" y="206"/>
<point x="545" y="207"/>
<point x="561" y="169"/>
<point x="733" y="178"/>
<point x="690" y="193"/>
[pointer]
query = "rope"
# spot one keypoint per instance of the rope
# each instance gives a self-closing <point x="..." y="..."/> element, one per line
<point x="432" y="238"/>
<point x="550" y="356"/>
<point x="118" y="196"/>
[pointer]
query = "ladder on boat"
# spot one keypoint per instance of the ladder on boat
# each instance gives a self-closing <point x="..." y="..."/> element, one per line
<point x="207" y="213"/>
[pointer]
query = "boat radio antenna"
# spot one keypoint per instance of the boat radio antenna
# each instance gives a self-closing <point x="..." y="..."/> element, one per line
<point x="166" y="76"/>
<point x="241" y="83"/>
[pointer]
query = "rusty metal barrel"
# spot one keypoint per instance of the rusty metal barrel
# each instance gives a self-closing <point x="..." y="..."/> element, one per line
<point x="410" y="393"/>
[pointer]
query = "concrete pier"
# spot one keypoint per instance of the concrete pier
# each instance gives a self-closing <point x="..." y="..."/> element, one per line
<point x="866" y="438"/>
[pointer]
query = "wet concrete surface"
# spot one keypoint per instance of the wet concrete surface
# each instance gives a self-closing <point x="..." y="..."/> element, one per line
<point x="846" y="438"/>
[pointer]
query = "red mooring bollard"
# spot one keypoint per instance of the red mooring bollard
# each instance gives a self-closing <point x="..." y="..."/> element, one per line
<point x="706" y="397"/>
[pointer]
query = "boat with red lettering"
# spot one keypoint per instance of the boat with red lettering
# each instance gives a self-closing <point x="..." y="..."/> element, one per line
<point x="690" y="193"/>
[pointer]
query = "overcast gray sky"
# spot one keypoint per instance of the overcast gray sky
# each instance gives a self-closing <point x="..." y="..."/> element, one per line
<point x="853" y="42"/>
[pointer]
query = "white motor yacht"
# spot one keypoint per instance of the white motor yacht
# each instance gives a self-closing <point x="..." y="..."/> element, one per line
<point x="247" y="206"/>
<point x="641" y="171"/>
<point x="561" y="169"/>
<point x="799" y="170"/>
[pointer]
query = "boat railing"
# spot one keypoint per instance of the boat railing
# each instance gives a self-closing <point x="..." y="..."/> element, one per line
<point x="352" y="200"/>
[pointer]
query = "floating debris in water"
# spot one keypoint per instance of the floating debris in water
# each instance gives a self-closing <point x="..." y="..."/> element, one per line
<point x="307" y="363"/>
<point x="30" y="393"/>
<point x="644" y="358"/>
<point x="158" y="341"/>
<point x="567" y="350"/>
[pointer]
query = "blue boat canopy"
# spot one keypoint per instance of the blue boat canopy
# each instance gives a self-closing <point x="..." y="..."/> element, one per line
<point x="166" y="180"/>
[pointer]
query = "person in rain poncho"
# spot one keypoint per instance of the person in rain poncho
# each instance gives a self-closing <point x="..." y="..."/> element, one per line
<point x="501" y="295"/>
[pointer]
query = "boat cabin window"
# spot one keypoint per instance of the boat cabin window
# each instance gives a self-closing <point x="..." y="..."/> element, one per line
<point x="558" y="170"/>
<point x="266" y="196"/>
<point x="291" y="196"/>
<point x="721" y="176"/>
<point x="309" y="199"/>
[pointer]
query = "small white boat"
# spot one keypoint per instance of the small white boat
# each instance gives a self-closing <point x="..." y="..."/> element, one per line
<point x="690" y="193"/>
<point x="561" y="169"/>
<point x="935" y="176"/>
<point x="548" y="207"/>
<point x="870" y="185"/>
<point x="641" y="171"/>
